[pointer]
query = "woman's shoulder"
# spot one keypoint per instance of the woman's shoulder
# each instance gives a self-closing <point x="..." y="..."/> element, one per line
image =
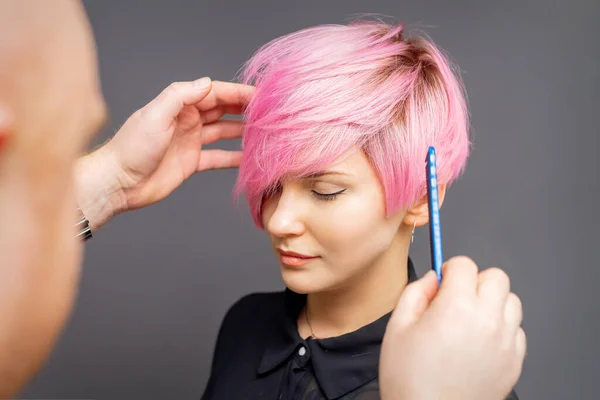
<point x="254" y="307"/>
<point x="243" y="329"/>
<point x="258" y="299"/>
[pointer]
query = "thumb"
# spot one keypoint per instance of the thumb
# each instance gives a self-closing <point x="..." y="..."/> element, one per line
<point x="415" y="300"/>
<point x="169" y="103"/>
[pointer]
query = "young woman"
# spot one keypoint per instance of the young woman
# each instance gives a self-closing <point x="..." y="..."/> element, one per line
<point x="334" y="172"/>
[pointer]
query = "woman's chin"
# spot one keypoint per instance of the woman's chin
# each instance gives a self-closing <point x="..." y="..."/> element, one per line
<point x="302" y="282"/>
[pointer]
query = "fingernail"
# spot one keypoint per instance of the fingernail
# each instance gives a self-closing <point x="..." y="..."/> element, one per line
<point x="202" y="83"/>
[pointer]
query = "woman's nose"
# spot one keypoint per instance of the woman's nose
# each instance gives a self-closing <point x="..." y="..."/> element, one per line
<point x="285" y="217"/>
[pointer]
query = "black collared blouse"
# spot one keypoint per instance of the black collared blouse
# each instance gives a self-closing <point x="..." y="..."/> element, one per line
<point x="260" y="355"/>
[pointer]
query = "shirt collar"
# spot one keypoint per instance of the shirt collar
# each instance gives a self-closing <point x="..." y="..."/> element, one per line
<point x="342" y="363"/>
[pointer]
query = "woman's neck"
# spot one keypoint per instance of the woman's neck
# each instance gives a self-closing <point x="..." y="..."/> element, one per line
<point x="368" y="297"/>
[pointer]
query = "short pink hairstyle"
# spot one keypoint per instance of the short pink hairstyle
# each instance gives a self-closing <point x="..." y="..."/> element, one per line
<point x="325" y="90"/>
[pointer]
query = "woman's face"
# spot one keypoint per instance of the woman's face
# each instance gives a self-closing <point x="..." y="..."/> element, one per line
<point x="330" y="227"/>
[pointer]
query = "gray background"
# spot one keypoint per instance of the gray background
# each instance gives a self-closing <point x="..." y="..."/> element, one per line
<point x="158" y="281"/>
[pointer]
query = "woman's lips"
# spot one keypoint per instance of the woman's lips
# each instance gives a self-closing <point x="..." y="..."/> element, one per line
<point x="293" y="259"/>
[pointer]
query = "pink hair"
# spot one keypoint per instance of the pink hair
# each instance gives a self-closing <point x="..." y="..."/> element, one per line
<point x="325" y="90"/>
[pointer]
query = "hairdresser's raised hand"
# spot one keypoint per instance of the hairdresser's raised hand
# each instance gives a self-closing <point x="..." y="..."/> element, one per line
<point x="463" y="342"/>
<point x="160" y="146"/>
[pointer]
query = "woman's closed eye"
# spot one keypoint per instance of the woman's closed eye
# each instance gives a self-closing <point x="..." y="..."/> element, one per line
<point x="327" y="196"/>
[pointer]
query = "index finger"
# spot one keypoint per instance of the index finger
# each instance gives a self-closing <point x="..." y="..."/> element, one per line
<point x="460" y="276"/>
<point x="226" y="94"/>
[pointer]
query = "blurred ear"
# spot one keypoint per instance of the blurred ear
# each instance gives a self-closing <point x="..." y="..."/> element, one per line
<point x="6" y="125"/>
<point x="418" y="214"/>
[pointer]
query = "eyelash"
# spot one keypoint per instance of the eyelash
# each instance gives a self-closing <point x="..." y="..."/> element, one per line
<point x="327" y="196"/>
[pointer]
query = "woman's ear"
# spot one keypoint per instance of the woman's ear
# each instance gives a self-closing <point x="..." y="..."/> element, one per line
<point x="418" y="214"/>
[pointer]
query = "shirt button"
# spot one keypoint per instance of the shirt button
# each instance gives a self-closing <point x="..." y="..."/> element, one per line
<point x="302" y="351"/>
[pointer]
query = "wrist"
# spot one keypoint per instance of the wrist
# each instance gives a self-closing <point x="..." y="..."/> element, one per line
<point x="98" y="190"/>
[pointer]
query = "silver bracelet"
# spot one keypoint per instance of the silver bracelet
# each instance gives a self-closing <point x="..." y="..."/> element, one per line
<point x="83" y="227"/>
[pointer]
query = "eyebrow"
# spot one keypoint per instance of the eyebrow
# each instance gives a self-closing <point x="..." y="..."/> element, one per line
<point x="325" y="173"/>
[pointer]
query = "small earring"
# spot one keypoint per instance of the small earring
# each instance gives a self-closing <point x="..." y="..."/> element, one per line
<point x="412" y="239"/>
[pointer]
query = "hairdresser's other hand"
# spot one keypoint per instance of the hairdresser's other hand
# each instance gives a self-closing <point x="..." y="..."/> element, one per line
<point x="461" y="342"/>
<point x="159" y="147"/>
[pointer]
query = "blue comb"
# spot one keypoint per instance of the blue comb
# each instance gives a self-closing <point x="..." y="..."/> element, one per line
<point x="435" y="228"/>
